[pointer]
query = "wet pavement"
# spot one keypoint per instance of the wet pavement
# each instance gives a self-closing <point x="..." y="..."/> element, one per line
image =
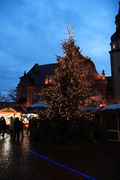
<point x="101" y="162"/>
<point x="16" y="163"/>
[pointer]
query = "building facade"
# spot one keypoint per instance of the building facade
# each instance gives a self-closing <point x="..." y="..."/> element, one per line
<point x="37" y="78"/>
<point x="115" y="59"/>
<point x="32" y="83"/>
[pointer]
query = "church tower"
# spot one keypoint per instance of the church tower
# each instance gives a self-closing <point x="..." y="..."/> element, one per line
<point x="115" y="59"/>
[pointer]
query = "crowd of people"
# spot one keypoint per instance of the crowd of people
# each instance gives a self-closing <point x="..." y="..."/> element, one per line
<point x="45" y="130"/>
<point x="16" y="127"/>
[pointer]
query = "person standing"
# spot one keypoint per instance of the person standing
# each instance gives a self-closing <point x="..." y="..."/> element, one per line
<point x="0" y="125"/>
<point x="11" y="126"/>
<point x="22" y="128"/>
<point x="3" y="125"/>
<point x="17" y="128"/>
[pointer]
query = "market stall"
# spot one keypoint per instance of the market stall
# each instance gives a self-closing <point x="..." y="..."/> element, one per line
<point x="111" y="118"/>
<point x="7" y="113"/>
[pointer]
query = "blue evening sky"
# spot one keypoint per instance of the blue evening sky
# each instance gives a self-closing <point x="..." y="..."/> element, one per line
<point x="31" y="31"/>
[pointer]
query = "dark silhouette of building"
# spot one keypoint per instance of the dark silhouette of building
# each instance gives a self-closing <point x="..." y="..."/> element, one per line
<point x="115" y="59"/>
<point x="31" y="83"/>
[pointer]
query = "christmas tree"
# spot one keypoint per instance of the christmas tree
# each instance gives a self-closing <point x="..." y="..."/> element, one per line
<point x="70" y="90"/>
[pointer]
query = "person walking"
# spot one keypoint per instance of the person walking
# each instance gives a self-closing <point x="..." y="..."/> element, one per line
<point x="11" y="127"/>
<point x="3" y="125"/>
<point x="22" y="128"/>
<point x="17" y="128"/>
<point x="0" y="125"/>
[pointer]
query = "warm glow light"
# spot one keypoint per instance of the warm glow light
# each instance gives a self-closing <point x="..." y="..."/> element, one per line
<point x="71" y="89"/>
<point x="103" y="105"/>
<point x="113" y="46"/>
<point x="46" y="81"/>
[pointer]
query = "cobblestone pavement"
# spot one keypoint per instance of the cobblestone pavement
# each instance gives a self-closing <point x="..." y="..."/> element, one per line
<point x="101" y="162"/>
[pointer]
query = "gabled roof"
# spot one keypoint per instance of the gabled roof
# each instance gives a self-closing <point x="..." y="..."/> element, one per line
<point x="39" y="105"/>
<point x="9" y="110"/>
<point x="37" y="75"/>
<point x="15" y="110"/>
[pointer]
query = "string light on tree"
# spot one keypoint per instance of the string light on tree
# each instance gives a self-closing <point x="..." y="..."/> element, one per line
<point x="71" y="89"/>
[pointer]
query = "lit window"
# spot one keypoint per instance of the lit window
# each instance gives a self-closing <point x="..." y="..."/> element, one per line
<point x="114" y="46"/>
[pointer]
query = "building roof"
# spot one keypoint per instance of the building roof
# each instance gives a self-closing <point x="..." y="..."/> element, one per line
<point x="9" y="111"/>
<point x="116" y="35"/>
<point x="112" y="107"/>
<point x="39" y="105"/>
<point x="37" y="75"/>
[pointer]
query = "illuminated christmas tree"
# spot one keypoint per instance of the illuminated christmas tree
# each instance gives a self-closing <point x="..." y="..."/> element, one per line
<point x="70" y="90"/>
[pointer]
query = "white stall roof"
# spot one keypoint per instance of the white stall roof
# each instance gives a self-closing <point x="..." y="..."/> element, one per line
<point x="8" y="110"/>
<point x="39" y="105"/>
<point x="112" y="107"/>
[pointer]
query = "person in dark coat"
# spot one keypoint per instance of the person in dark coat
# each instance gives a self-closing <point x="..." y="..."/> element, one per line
<point x="22" y="128"/>
<point x="11" y="126"/>
<point x="2" y="125"/>
<point x="17" y="128"/>
<point x="32" y="127"/>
